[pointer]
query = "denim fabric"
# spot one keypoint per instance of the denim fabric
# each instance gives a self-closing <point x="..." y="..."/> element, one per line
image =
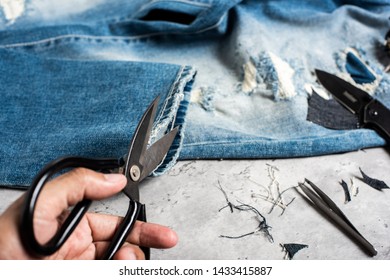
<point x="86" y="108"/>
<point x="76" y="76"/>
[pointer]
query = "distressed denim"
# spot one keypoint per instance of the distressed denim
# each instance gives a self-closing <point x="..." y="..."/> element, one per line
<point x="236" y="76"/>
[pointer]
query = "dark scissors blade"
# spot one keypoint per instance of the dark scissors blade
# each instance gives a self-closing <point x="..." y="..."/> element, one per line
<point x="141" y="159"/>
<point x="141" y="136"/>
<point x="351" y="97"/>
<point x="155" y="154"/>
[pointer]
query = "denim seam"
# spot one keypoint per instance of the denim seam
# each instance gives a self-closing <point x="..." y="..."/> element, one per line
<point x="268" y="139"/>
<point x="125" y="39"/>
<point x="173" y="115"/>
<point x="194" y="3"/>
<point x="171" y="103"/>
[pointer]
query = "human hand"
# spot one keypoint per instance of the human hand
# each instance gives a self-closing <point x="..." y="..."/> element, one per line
<point x="93" y="234"/>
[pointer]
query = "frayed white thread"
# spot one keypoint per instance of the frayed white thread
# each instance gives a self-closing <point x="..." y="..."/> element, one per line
<point x="310" y="89"/>
<point x="286" y="89"/>
<point x="204" y="96"/>
<point x="249" y="83"/>
<point x="269" y="72"/>
<point x="167" y="118"/>
<point x="12" y="9"/>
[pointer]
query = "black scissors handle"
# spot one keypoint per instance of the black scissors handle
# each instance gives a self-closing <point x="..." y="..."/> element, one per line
<point x="26" y="225"/>
<point x="133" y="214"/>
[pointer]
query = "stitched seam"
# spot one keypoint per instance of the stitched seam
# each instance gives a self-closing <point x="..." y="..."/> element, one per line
<point x="256" y="141"/>
<point x="199" y="4"/>
<point x="108" y="38"/>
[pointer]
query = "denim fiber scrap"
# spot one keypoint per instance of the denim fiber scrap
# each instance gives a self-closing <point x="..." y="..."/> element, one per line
<point x="76" y="76"/>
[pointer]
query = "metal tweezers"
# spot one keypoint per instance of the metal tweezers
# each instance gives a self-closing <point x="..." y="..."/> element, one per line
<point x="323" y="203"/>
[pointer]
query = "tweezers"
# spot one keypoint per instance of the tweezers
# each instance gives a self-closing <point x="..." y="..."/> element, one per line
<point x="323" y="203"/>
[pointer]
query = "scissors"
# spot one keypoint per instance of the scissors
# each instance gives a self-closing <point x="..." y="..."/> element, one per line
<point x="370" y="112"/>
<point x="320" y="200"/>
<point x="136" y="165"/>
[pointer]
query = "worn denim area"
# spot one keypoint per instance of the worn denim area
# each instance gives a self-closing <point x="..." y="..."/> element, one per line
<point x="76" y="76"/>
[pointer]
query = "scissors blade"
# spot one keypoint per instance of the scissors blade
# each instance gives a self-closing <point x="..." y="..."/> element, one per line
<point x="133" y="167"/>
<point x="156" y="153"/>
<point x="141" y="135"/>
<point x="141" y="159"/>
<point x="351" y="97"/>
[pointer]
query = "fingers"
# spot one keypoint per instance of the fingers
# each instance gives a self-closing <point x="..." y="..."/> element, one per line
<point x="126" y="252"/>
<point x="78" y="184"/>
<point x="129" y="252"/>
<point x="153" y="236"/>
<point x="144" y="234"/>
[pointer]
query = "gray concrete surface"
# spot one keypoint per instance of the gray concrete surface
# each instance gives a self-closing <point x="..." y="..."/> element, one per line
<point x="189" y="200"/>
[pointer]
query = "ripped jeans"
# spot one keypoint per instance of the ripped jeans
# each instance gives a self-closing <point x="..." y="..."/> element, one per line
<point x="236" y="76"/>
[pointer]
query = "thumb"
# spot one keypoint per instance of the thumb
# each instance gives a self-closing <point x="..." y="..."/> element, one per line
<point x="81" y="183"/>
<point x="67" y="190"/>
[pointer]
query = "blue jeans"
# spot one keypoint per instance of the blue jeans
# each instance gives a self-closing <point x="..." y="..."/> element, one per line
<point x="234" y="75"/>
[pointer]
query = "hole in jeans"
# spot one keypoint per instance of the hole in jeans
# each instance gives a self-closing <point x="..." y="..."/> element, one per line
<point x="171" y="16"/>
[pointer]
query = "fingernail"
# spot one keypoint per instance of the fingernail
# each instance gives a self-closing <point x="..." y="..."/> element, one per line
<point x="113" y="177"/>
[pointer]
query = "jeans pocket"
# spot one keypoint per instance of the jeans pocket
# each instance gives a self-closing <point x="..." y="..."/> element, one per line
<point x="175" y="17"/>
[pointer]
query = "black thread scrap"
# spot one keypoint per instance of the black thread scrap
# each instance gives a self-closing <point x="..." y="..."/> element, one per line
<point x="374" y="183"/>
<point x="229" y="204"/>
<point x="262" y="227"/>
<point x="292" y="248"/>
<point x="346" y="191"/>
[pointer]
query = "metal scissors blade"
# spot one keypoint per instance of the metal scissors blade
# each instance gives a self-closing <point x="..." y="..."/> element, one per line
<point x="141" y="159"/>
<point x="370" y="112"/>
<point x="140" y="162"/>
<point x="319" y="199"/>
<point x="156" y="153"/>
<point x="141" y="136"/>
